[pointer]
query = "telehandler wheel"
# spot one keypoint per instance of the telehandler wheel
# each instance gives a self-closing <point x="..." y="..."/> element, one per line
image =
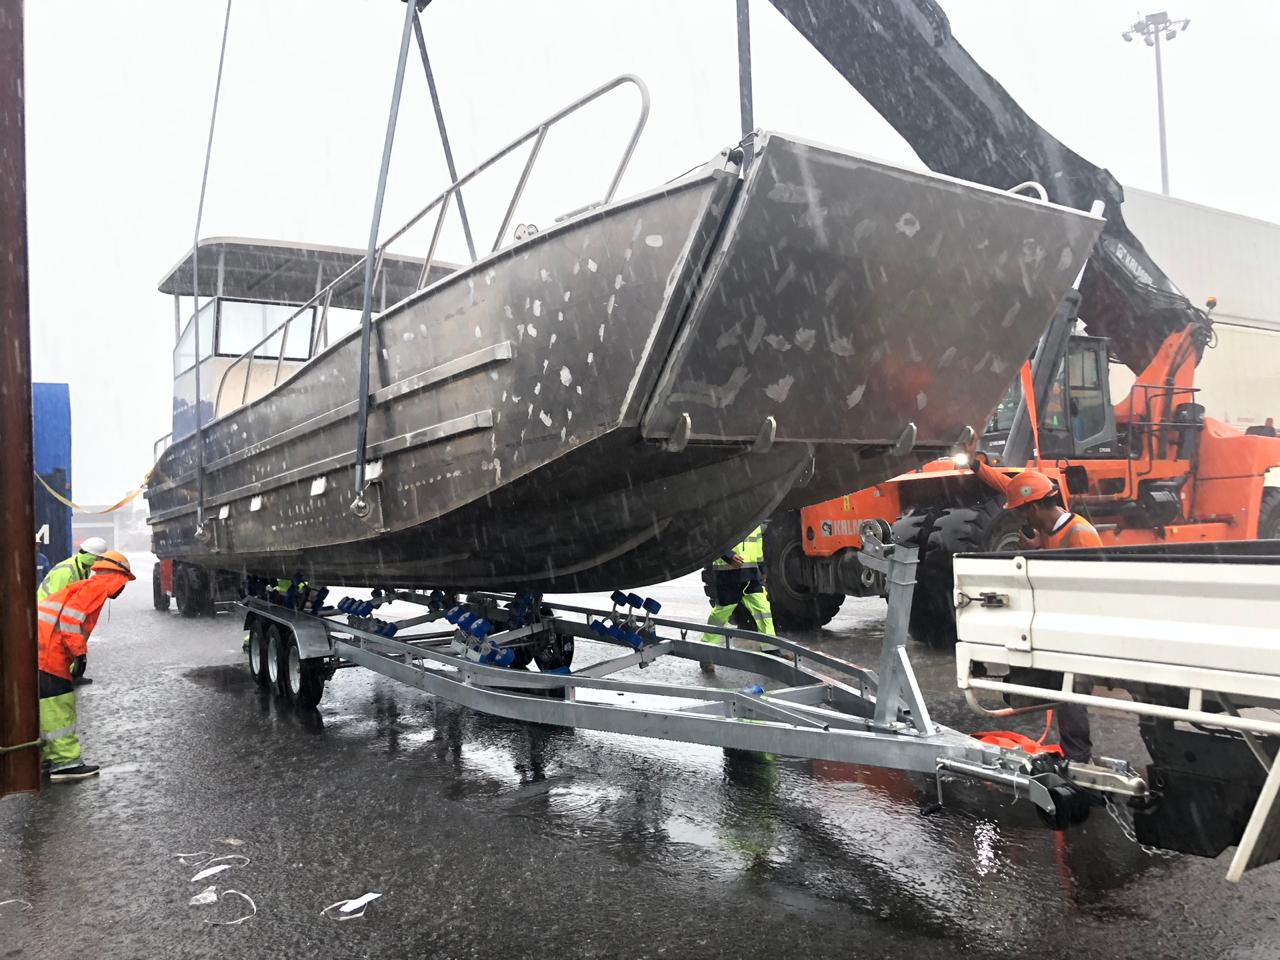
<point x="257" y="653"/>
<point x="301" y="683"/>
<point x="980" y="528"/>
<point x="1269" y="515"/>
<point x="794" y="606"/>
<point x="159" y="599"/>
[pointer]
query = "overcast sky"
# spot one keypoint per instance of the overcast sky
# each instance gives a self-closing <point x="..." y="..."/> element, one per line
<point x="118" y="97"/>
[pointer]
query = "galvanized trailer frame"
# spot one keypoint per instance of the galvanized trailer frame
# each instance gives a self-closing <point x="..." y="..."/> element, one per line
<point x="819" y="707"/>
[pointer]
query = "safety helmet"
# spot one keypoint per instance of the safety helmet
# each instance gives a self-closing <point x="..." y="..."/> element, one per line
<point x="113" y="561"/>
<point x="94" y="545"/>
<point x="1028" y="487"/>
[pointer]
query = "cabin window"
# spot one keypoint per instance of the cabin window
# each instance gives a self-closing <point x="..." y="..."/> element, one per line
<point x="184" y="356"/>
<point x="243" y="325"/>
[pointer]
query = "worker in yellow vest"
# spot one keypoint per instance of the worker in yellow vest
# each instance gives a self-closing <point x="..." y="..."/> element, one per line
<point x="735" y="578"/>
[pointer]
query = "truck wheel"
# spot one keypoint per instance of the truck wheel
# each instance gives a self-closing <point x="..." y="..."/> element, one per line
<point x="983" y="528"/>
<point x="301" y="683"/>
<point x="258" y="652"/>
<point x="182" y="591"/>
<point x="795" y="606"/>
<point x="555" y="653"/>
<point x="159" y="599"/>
<point x="1269" y="515"/>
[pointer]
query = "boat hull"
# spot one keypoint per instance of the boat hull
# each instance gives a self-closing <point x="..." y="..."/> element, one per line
<point x="543" y="418"/>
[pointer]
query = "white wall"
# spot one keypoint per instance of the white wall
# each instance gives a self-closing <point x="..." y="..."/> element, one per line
<point x="1236" y="259"/>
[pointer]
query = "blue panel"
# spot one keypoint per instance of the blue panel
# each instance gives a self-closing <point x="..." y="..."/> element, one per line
<point x="51" y="422"/>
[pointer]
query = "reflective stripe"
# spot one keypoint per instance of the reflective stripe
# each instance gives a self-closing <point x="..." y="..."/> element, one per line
<point x="74" y="614"/>
<point x="47" y="617"/>
<point x="50" y="735"/>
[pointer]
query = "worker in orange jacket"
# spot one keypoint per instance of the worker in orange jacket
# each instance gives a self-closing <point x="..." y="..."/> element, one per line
<point x="65" y="620"/>
<point x="1038" y="503"/>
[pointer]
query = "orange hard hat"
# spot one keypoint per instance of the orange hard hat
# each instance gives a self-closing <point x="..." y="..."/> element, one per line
<point x="1028" y="487"/>
<point x="113" y="561"/>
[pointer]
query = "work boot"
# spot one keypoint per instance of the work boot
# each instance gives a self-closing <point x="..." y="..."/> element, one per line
<point x="706" y="666"/>
<point x="80" y="771"/>
<point x="81" y="681"/>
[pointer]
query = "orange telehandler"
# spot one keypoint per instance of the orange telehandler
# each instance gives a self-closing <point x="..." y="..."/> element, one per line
<point x="1150" y="468"/>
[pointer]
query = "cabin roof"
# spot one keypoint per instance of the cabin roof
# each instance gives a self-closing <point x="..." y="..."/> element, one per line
<point x="274" y="271"/>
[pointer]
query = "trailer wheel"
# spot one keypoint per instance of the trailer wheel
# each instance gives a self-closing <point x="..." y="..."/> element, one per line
<point x="301" y="683"/>
<point x="258" y="652"/>
<point x="1269" y="515"/>
<point x="276" y="642"/>
<point x="794" y="606"/>
<point x="159" y="599"/>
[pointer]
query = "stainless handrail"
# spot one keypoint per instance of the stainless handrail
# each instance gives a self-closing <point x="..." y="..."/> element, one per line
<point x="540" y="132"/>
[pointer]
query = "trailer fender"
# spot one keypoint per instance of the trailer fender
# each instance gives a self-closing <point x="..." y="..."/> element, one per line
<point x="313" y="639"/>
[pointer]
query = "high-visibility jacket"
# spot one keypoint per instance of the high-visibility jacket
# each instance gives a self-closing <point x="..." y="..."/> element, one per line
<point x="66" y="619"/>
<point x="75" y="567"/>
<point x="1076" y="532"/>
<point x="751" y="550"/>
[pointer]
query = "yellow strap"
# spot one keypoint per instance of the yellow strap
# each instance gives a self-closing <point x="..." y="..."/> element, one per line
<point x="79" y="509"/>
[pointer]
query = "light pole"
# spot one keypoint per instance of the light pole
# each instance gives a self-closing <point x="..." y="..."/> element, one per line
<point x="1152" y="28"/>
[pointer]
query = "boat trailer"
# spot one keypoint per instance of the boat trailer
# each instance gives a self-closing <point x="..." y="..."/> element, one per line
<point x="800" y="703"/>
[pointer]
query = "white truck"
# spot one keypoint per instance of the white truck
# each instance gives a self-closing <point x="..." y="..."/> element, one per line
<point x="1190" y="636"/>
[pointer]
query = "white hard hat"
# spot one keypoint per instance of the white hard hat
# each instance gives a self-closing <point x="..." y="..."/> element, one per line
<point x="94" y="545"/>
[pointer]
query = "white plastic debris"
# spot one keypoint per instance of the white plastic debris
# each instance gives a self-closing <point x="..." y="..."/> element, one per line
<point x="205" y="896"/>
<point x="25" y="905"/>
<point x="191" y="859"/>
<point x="253" y="907"/>
<point x="349" y="909"/>
<point x="215" y="865"/>
<point x="210" y="871"/>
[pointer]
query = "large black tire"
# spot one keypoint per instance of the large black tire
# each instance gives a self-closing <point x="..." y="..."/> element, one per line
<point x="795" y="606"/>
<point x="257" y="652"/>
<point x="301" y="683"/>
<point x="555" y="653"/>
<point x="940" y="534"/>
<point x="193" y="590"/>
<point x="159" y="599"/>
<point x="1269" y="515"/>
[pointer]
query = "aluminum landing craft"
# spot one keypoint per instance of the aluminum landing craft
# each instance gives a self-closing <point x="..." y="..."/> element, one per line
<point x="614" y="399"/>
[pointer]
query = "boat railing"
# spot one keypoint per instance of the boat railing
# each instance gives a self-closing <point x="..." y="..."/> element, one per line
<point x="323" y="297"/>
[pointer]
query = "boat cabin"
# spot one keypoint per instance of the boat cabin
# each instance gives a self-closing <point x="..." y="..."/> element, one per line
<point x="266" y="308"/>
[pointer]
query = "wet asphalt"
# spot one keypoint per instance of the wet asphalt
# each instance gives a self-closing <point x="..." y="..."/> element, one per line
<point x="488" y="838"/>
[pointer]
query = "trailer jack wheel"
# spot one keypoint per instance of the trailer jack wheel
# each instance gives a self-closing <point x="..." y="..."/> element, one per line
<point x="302" y="683"/>
<point x="1069" y="806"/>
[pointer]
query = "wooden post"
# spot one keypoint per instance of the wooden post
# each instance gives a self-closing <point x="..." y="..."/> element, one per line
<point x="19" y="703"/>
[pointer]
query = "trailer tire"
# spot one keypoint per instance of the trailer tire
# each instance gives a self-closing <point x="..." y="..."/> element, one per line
<point x="794" y="606"/>
<point x="301" y="683"/>
<point x="159" y="599"/>
<point x="277" y="641"/>
<point x="978" y="528"/>
<point x="1269" y="514"/>
<point x="257" y="653"/>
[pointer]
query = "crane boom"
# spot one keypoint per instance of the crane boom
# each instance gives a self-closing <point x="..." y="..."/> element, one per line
<point x="902" y="57"/>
